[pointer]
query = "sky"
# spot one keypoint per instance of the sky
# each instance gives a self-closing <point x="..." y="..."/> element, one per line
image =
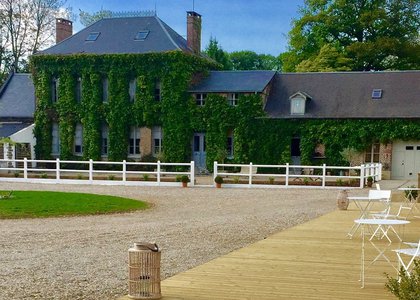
<point x="258" y="25"/>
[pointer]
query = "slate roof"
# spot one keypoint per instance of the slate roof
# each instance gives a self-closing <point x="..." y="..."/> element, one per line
<point x="234" y="81"/>
<point x="117" y="36"/>
<point x="17" y="97"/>
<point x="347" y="94"/>
<point x="7" y="129"/>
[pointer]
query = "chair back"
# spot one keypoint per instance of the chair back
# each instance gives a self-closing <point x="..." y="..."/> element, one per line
<point x="380" y="194"/>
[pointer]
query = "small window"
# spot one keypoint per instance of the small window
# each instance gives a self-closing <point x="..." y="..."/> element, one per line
<point x="54" y="90"/>
<point x="233" y="99"/>
<point x="132" y="89"/>
<point x="134" y="141"/>
<point x="409" y="147"/>
<point x="418" y="147"/>
<point x="93" y="36"/>
<point x="78" y="140"/>
<point x="229" y="146"/>
<point x="104" y="137"/>
<point x="55" y="141"/>
<point x="157" y="140"/>
<point x="158" y="95"/>
<point x="298" y="106"/>
<point x="200" y="99"/>
<point x="372" y="153"/>
<point x="376" y="94"/>
<point x="78" y="90"/>
<point x="105" y="90"/>
<point x="141" y="35"/>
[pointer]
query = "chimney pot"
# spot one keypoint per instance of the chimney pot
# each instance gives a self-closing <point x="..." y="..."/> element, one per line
<point x="194" y="31"/>
<point x="63" y="29"/>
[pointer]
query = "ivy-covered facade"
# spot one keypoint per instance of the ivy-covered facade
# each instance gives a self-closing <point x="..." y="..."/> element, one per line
<point x="171" y="105"/>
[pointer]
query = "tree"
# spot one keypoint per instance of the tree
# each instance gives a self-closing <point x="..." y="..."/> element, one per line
<point x="368" y="34"/>
<point x="26" y="27"/>
<point x="214" y="51"/>
<point x="249" y="60"/>
<point x="87" y="19"/>
<point x="328" y="59"/>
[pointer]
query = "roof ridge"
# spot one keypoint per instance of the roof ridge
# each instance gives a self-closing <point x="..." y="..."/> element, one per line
<point x="167" y="33"/>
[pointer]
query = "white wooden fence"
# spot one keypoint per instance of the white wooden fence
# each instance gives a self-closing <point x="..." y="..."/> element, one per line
<point x="90" y="172"/>
<point x="297" y="175"/>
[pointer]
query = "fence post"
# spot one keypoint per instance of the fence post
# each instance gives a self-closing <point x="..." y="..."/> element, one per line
<point x="90" y="170"/>
<point x="214" y="171"/>
<point x="250" y="175"/>
<point x="158" y="172"/>
<point x="362" y="176"/>
<point x="379" y="171"/>
<point x="25" y="168"/>
<point x="192" y="173"/>
<point x="287" y="175"/>
<point x="324" y="173"/>
<point x="57" y="169"/>
<point x="124" y="170"/>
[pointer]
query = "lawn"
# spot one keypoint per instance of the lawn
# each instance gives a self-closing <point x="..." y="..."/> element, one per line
<point x="40" y="204"/>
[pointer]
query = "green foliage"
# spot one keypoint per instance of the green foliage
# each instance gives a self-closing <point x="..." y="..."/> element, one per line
<point x="249" y="60"/>
<point x="35" y="204"/>
<point x="185" y="179"/>
<point x="365" y="35"/>
<point x="214" y="51"/>
<point x="88" y="19"/>
<point x="407" y="287"/>
<point x="218" y="179"/>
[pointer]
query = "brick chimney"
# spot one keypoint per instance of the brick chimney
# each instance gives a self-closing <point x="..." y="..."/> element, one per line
<point x="194" y="31"/>
<point x="63" y="29"/>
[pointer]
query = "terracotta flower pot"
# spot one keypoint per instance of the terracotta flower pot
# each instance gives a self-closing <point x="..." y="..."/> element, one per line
<point x="185" y="184"/>
<point x="218" y="185"/>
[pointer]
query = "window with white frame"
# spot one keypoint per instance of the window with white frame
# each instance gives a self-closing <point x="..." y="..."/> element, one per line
<point x="200" y="99"/>
<point x="132" y="89"/>
<point x="297" y="106"/>
<point x="104" y="140"/>
<point x="158" y="91"/>
<point x="157" y="140"/>
<point x="372" y="153"/>
<point x="229" y="145"/>
<point x="54" y="90"/>
<point x="233" y="99"/>
<point x="78" y="90"/>
<point x="105" y="90"/>
<point x="55" y="142"/>
<point x="134" y="141"/>
<point x="78" y="139"/>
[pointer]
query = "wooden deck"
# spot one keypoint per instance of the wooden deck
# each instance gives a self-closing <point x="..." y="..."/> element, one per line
<point x="314" y="260"/>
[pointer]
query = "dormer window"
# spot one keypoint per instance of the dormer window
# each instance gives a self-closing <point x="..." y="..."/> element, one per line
<point x="93" y="36"/>
<point x="298" y="103"/>
<point x="376" y="94"/>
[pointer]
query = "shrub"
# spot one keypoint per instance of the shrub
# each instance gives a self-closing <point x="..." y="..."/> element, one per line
<point x="16" y="174"/>
<point x="271" y="180"/>
<point x="44" y="175"/>
<point x="218" y="179"/>
<point x="111" y="177"/>
<point x="146" y="177"/>
<point x="235" y="179"/>
<point x="185" y="179"/>
<point x="413" y="193"/>
<point x="178" y="178"/>
<point x="406" y="287"/>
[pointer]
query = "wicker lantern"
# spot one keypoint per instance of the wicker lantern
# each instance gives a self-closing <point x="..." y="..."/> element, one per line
<point x="144" y="271"/>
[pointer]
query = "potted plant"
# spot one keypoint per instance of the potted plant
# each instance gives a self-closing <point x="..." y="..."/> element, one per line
<point x="185" y="180"/>
<point x="218" y="180"/>
<point x="369" y="181"/>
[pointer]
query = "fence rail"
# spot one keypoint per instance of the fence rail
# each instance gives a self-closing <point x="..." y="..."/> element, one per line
<point x="89" y="172"/>
<point x="240" y="175"/>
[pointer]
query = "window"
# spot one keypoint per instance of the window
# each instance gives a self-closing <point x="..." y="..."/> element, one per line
<point x="376" y="94"/>
<point x="233" y="99"/>
<point x="372" y="153"/>
<point x="78" y="90"/>
<point x="157" y="140"/>
<point x="54" y="90"/>
<point x="298" y="106"/>
<point x="55" y="142"/>
<point x="134" y="141"/>
<point x="229" y="146"/>
<point x="141" y="35"/>
<point x="157" y="90"/>
<point x="105" y="90"/>
<point x="132" y="89"/>
<point x="104" y="139"/>
<point x="78" y="139"/>
<point x="93" y="36"/>
<point x="200" y="99"/>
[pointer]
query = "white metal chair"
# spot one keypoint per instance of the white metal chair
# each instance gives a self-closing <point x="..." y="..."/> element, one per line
<point x="412" y="252"/>
<point x="385" y="196"/>
<point x="378" y="187"/>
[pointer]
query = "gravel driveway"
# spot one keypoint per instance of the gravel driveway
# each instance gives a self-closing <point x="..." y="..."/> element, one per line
<point x="86" y="257"/>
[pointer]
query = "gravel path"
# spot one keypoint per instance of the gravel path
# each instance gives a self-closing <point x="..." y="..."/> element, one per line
<point x="86" y="257"/>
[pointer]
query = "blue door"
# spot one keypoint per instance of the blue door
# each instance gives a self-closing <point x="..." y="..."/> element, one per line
<point x="199" y="150"/>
